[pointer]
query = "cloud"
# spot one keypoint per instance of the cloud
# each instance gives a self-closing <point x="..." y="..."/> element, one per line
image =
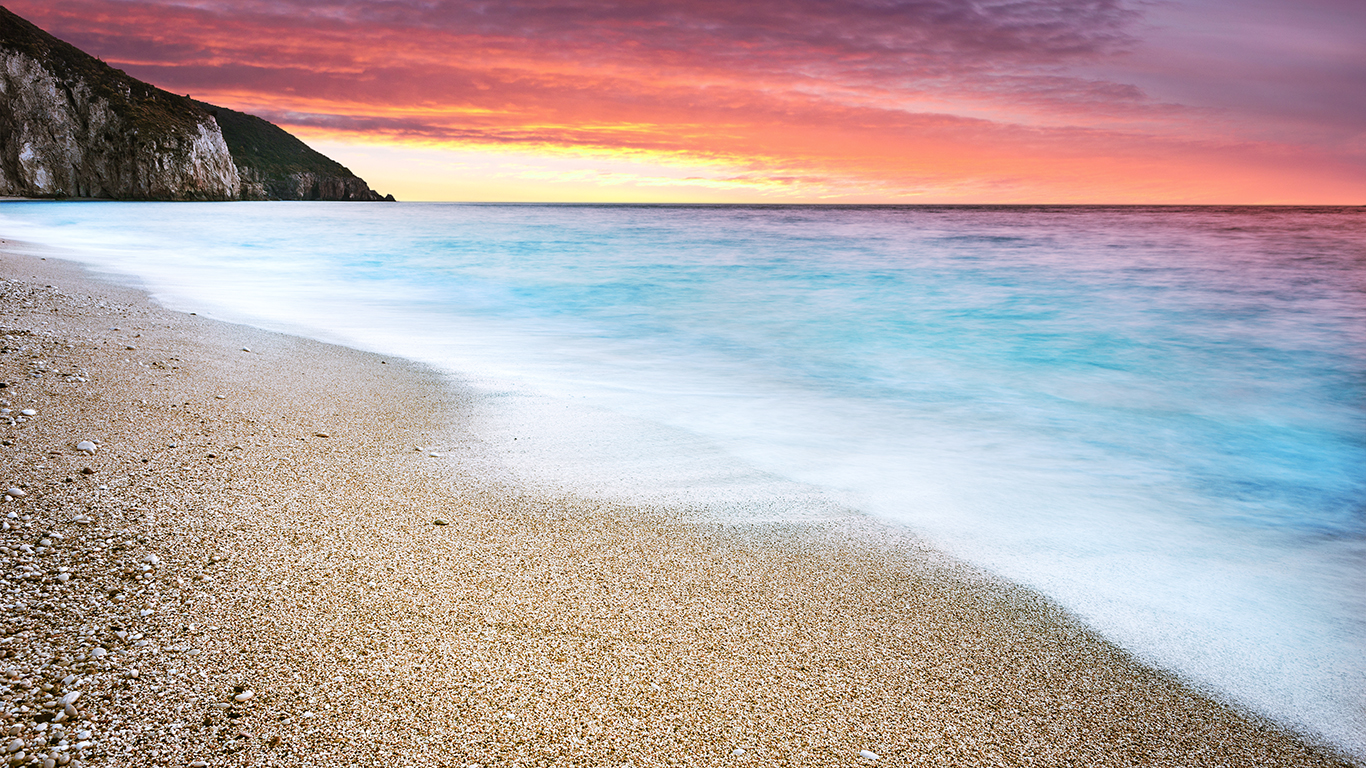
<point x="900" y="93"/>
<point x="846" y="49"/>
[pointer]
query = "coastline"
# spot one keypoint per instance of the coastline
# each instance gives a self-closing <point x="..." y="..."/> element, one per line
<point x="541" y="630"/>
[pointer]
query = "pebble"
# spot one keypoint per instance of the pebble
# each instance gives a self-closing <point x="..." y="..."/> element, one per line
<point x="29" y="412"/>
<point x="16" y="492"/>
<point x="86" y="447"/>
<point x="866" y="755"/>
<point x="244" y="696"/>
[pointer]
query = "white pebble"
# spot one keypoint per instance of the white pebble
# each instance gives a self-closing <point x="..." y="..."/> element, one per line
<point x="738" y="751"/>
<point x="244" y="696"/>
<point x="15" y="492"/>
<point x="87" y="447"/>
<point x="98" y="653"/>
<point x="865" y="754"/>
<point x="70" y="698"/>
<point x="29" y="412"/>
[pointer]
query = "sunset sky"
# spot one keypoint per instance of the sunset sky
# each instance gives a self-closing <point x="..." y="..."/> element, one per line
<point x="895" y="101"/>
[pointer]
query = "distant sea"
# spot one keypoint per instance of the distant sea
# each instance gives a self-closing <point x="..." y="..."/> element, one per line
<point x="1154" y="416"/>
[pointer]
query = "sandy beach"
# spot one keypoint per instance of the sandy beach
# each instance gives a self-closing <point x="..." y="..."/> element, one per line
<point x="283" y="552"/>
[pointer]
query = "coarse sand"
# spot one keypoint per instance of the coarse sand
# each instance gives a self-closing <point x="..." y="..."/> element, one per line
<point x="249" y="570"/>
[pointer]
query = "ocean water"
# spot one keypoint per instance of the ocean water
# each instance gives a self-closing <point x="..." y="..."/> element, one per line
<point x="1155" y="416"/>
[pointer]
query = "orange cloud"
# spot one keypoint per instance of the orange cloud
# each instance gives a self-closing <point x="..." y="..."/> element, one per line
<point x="910" y="100"/>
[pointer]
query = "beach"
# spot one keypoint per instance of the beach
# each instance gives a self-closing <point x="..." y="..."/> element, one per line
<point x="286" y="552"/>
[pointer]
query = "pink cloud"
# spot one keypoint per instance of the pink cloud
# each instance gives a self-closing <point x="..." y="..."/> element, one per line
<point x="921" y="88"/>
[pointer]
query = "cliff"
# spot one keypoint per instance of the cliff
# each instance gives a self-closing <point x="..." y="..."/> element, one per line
<point x="275" y="165"/>
<point x="73" y="126"/>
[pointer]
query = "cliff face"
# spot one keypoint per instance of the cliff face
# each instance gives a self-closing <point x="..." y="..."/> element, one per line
<point x="305" y="185"/>
<point x="72" y="126"/>
<point x="275" y="165"/>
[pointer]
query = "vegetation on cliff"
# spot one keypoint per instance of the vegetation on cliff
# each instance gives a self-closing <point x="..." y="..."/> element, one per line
<point x="275" y="160"/>
<point x="73" y="126"/>
<point x="143" y="107"/>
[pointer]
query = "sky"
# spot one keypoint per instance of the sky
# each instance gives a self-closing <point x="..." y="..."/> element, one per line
<point x="783" y="101"/>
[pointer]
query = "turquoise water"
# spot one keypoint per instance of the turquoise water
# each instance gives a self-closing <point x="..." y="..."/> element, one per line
<point x="1156" y="416"/>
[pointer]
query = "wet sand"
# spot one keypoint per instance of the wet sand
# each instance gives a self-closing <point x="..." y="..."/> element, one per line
<point x="261" y="517"/>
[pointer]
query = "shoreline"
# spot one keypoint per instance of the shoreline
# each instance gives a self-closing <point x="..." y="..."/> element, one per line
<point x="527" y="628"/>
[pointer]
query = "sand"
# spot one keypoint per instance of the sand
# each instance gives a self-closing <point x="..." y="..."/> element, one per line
<point x="262" y="521"/>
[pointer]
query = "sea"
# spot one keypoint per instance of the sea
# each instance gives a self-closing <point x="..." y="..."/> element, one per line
<point x="1155" y="416"/>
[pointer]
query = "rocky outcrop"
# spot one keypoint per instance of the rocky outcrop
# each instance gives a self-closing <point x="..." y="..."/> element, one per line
<point x="305" y="185"/>
<point x="72" y="126"/>
<point x="275" y="165"/>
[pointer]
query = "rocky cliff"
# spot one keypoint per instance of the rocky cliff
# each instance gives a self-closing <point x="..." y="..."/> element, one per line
<point x="73" y="126"/>
<point x="275" y="165"/>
